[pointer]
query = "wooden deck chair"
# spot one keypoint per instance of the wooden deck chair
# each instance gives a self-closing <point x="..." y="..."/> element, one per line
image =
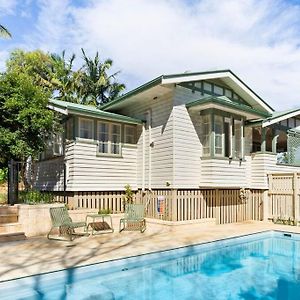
<point x="60" y="219"/>
<point x="134" y="218"/>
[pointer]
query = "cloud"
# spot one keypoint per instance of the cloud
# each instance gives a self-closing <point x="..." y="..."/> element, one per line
<point x="7" y="7"/>
<point x="258" y="39"/>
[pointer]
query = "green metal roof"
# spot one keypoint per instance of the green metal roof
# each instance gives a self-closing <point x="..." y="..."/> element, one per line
<point x="279" y="114"/>
<point x="224" y="101"/>
<point x="158" y="80"/>
<point x="92" y="111"/>
<point x="136" y="91"/>
<point x="273" y="116"/>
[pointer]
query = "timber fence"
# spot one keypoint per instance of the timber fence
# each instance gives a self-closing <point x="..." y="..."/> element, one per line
<point x="223" y="205"/>
<point x="284" y="196"/>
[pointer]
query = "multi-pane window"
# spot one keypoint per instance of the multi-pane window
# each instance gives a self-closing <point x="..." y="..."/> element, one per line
<point x="115" y="139"/>
<point x="205" y="130"/>
<point x="129" y="137"/>
<point x="103" y="137"/>
<point x="57" y="144"/>
<point x="86" y="127"/>
<point x="226" y="134"/>
<point x="219" y="130"/>
<point x="109" y="138"/>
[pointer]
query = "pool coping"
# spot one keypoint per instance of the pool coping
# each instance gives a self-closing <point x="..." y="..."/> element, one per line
<point x="149" y="253"/>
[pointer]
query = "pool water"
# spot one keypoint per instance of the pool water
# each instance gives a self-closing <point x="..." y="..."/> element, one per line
<point x="258" y="266"/>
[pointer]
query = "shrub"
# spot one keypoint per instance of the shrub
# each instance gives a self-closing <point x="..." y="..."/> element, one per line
<point x="128" y="197"/>
<point x="3" y="175"/>
<point x="104" y="211"/>
<point x="35" y="197"/>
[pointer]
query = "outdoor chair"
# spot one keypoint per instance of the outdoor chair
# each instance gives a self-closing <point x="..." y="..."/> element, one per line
<point x="60" y="219"/>
<point x="134" y="218"/>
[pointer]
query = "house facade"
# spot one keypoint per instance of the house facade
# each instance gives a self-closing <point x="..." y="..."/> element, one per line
<point x="191" y="131"/>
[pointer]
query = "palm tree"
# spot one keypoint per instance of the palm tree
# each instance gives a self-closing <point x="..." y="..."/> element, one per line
<point x="62" y="77"/>
<point x="4" y="32"/>
<point x="95" y="85"/>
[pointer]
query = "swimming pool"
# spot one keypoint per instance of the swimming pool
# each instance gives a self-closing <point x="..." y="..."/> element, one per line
<point x="258" y="266"/>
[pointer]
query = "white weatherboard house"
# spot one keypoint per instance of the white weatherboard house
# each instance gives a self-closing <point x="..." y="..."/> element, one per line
<point x="190" y="132"/>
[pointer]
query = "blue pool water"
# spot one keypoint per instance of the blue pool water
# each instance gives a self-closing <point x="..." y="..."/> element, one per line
<point x="258" y="266"/>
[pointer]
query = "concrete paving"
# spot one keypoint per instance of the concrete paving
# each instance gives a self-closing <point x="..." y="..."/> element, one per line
<point x="38" y="255"/>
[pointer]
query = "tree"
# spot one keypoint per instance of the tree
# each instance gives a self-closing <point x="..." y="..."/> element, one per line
<point x="25" y="123"/>
<point x="36" y="64"/>
<point x="62" y="77"/>
<point x="4" y="32"/>
<point x="95" y="86"/>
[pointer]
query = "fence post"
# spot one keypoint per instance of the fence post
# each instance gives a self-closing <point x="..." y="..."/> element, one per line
<point x="174" y="205"/>
<point x="267" y="195"/>
<point x="295" y="196"/>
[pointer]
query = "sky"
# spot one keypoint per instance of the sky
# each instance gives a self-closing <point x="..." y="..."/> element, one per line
<point x="258" y="40"/>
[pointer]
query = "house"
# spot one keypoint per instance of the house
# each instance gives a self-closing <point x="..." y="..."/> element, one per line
<point x="205" y="131"/>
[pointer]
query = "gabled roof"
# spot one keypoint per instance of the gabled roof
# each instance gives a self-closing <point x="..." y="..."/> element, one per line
<point x="276" y="117"/>
<point x="224" y="101"/>
<point x="226" y="75"/>
<point x="280" y="116"/>
<point x="68" y="108"/>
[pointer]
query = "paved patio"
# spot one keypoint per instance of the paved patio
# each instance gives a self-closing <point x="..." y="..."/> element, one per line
<point x="37" y="255"/>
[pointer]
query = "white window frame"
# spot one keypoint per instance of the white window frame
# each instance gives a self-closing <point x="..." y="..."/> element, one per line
<point x="208" y="136"/>
<point x="98" y="138"/>
<point x="222" y="138"/>
<point x="57" y="139"/>
<point x="109" y="142"/>
<point x="240" y="122"/>
<point x="79" y="128"/>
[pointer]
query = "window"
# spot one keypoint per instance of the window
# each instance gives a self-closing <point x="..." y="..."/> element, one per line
<point x="57" y="145"/>
<point x="238" y="139"/>
<point x="205" y="134"/>
<point x="218" y="90"/>
<point x="109" y="138"/>
<point x="207" y="86"/>
<point x="224" y="135"/>
<point x="219" y="146"/>
<point x="116" y="139"/>
<point x="86" y="128"/>
<point x="103" y="133"/>
<point x="129" y="135"/>
<point x="228" y="93"/>
<point x="70" y="129"/>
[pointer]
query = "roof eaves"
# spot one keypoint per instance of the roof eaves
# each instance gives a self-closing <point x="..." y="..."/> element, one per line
<point x="136" y="91"/>
<point x="105" y="115"/>
<point x="226" y="103"/>
<point x="274" y="119"/>
<point x="69" y="108"/>
<point x="194" y="74"/>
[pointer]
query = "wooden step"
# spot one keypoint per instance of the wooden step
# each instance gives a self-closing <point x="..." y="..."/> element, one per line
<point x="10" y="218"/>
<point x="10" y="228"/>
<point x="10" y="237"/>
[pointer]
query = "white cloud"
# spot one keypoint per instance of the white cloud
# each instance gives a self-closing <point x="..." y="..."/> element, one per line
<point x="7" y="7"/>
<point x="258" y="39"/>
